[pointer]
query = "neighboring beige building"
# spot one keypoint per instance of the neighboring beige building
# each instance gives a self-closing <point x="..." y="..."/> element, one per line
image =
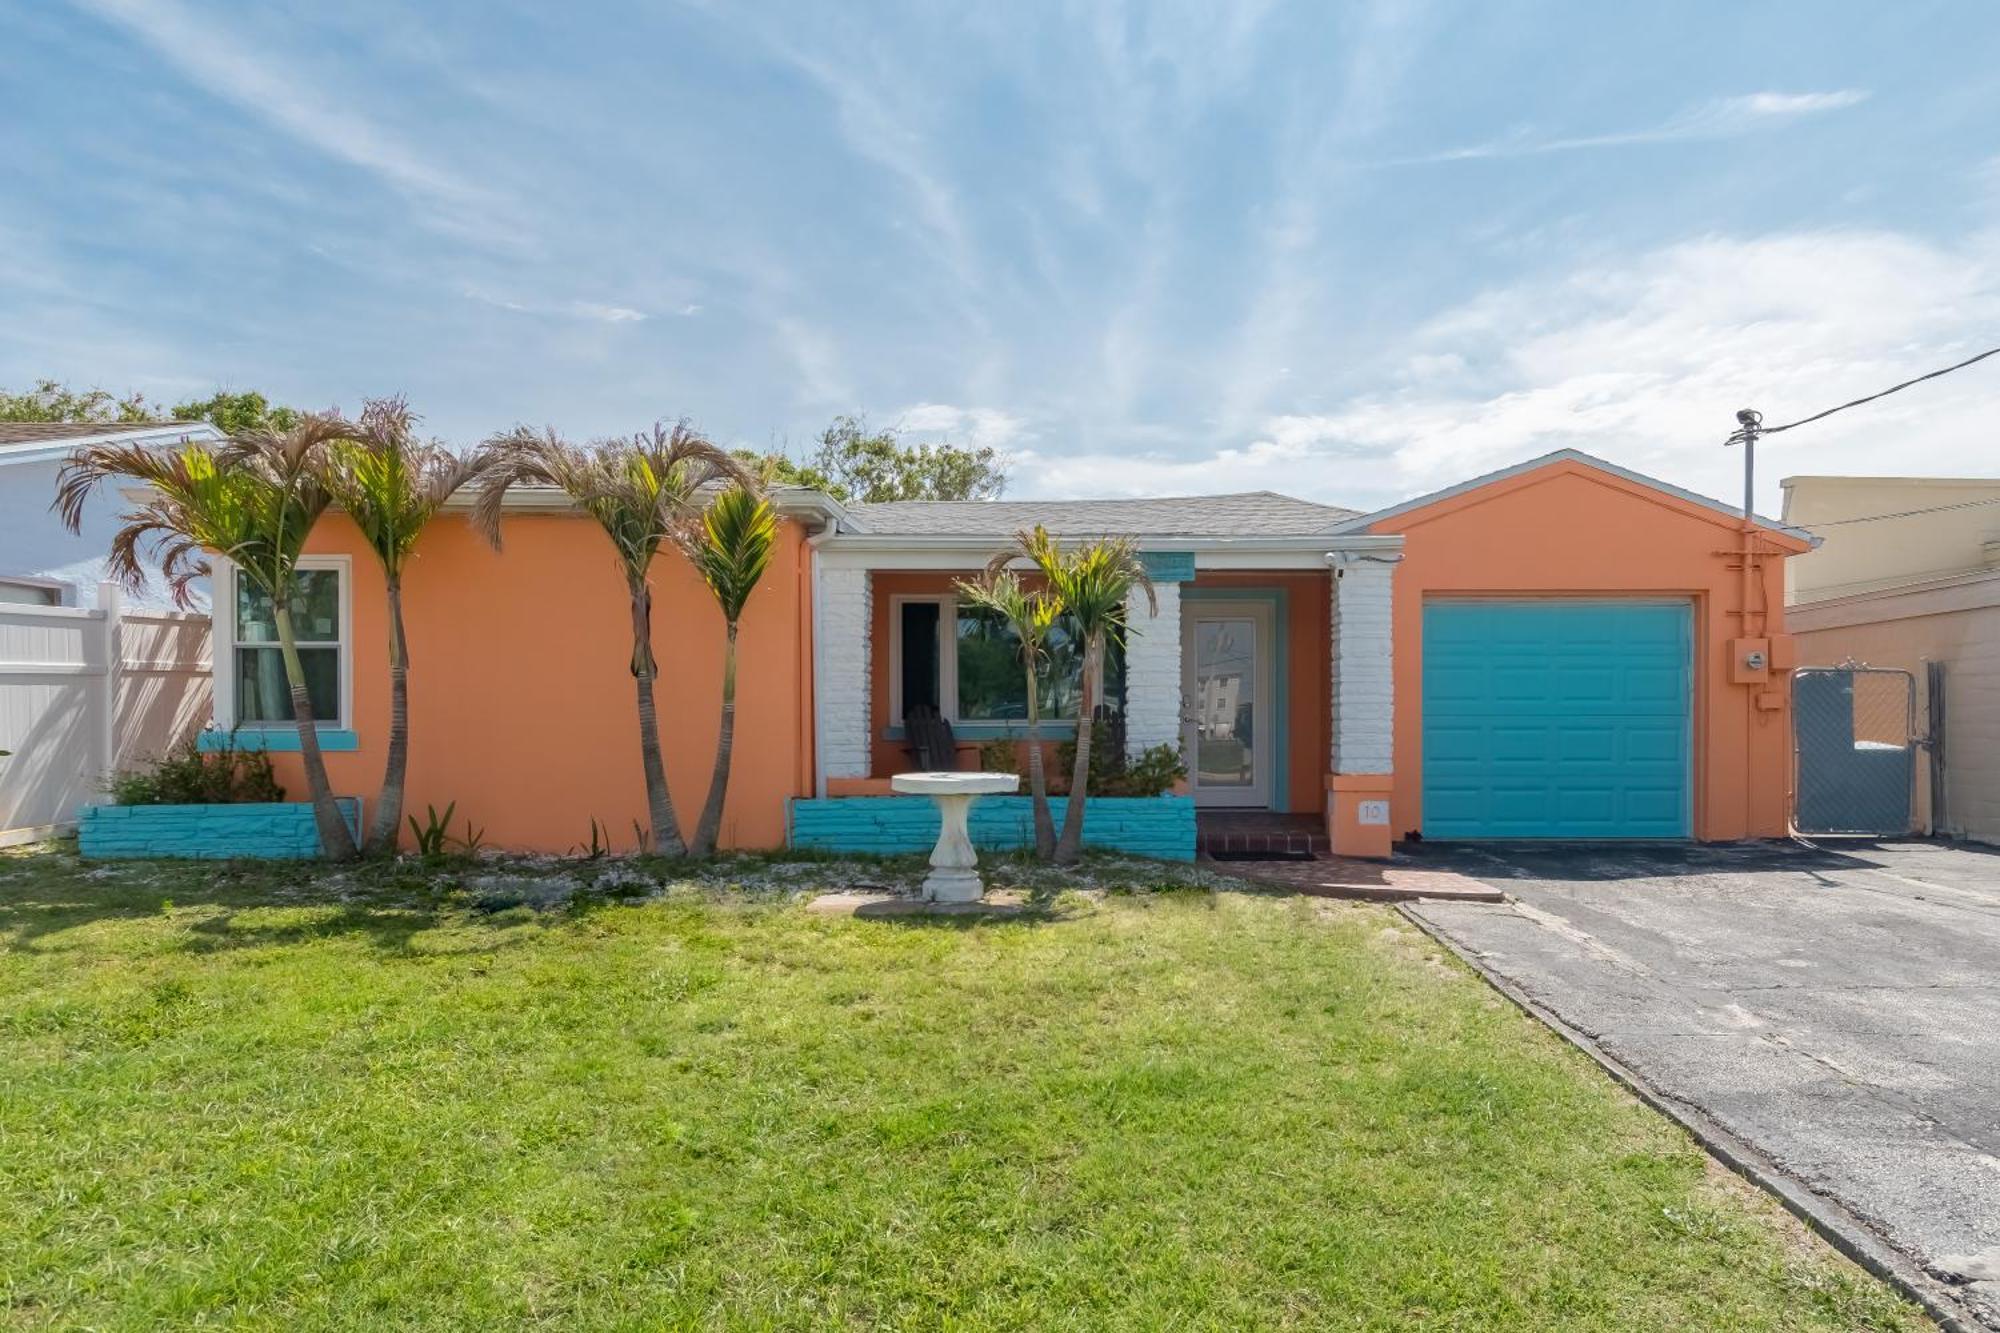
<point x="1908" y="573"/>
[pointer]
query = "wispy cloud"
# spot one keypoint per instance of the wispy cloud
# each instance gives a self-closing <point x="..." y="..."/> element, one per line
<point x="1719" y="118"/>
<point x="268" y="86"/>
<point x="976" y="427"/>
<point x="597" y="311"/>
<point x="1644" y="362"/>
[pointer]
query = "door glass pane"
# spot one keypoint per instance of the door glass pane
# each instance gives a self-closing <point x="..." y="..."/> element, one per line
<point x="1225" y="703"/>
<point x="263" y="696"/>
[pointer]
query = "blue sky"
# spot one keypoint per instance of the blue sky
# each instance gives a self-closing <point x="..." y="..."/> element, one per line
<point x="1352" y="252"/>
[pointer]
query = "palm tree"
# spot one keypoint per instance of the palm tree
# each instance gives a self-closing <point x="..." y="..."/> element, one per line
<point x="1093" y="584"/>
<point x="391" y="483"/>
<point x="253" y="501"/>
<point x="729" y="548"/>
<point x="1033" y="615"/>
<point x="640" y="492"/>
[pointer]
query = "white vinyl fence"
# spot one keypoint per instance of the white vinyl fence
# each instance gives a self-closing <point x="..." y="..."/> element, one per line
<point x="86" y="693"/>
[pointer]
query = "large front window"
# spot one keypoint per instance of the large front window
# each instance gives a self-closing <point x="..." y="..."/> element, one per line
<point x="258" y="686"/>
<point x="974" y="673"/>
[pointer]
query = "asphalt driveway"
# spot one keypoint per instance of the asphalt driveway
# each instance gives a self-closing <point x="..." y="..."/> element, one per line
<point x="1837" y="1009"/>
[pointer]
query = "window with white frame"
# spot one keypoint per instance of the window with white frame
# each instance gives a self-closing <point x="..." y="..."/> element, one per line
<point x="965" y="662"/>
<point x="21" y="590"/>
<point x="253" y="692"/>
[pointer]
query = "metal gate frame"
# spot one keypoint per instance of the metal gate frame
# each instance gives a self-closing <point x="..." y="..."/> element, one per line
<point x="1911" y="742"/>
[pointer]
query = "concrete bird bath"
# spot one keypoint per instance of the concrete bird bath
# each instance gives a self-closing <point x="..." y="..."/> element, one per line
<point x="954" y="876"/>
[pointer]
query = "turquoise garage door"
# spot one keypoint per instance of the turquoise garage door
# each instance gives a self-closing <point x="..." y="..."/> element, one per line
<point x="1556" y="719"/>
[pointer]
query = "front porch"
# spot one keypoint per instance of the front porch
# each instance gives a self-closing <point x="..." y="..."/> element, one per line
<point x="1269" y="672"/>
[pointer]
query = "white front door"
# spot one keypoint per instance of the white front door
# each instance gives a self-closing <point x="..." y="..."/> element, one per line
<point x="1226" y="703"/>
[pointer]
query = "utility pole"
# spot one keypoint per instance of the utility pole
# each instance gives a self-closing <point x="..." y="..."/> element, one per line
<point x="1749" y="424"/>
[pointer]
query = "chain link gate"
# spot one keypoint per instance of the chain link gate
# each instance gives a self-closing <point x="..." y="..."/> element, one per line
<point x="1854" y="747"/>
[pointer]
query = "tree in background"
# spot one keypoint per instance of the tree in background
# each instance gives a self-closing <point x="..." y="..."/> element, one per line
<point x="392" y="483"/>
<point x="234" y="413"/>
<point x="53" y="401"/>
<point x="642" y="492"/>
<point x="730" y="548"/>
<point x="852" y="463"/>
<point x="231" y="413"/>
<point x="254" y="501"/>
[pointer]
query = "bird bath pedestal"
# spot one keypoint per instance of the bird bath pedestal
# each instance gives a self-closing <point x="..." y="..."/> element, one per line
<point x="954" y="876"/>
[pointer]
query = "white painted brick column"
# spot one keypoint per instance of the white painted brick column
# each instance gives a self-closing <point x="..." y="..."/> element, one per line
<point x="841" y="651"/>
<point x="1364" y="685"/>
<point x="1153" y="670"/>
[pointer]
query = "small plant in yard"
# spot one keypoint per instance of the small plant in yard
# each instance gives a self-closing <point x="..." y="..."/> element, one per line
<point x="189" y="775"/>
<point x="599" y="846"/>
<point x="1151" y="772"/>
<point x="434" y="837"/>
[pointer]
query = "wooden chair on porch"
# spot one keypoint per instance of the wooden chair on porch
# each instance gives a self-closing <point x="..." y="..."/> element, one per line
<point x="928" y="737"/>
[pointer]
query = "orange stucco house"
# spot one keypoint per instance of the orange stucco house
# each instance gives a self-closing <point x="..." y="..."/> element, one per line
<point x="1562" y="649"/>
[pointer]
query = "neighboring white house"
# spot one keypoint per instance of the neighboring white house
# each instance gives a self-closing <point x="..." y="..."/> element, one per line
<point x="1908" y="574"/>
<point x="42" y="563"/>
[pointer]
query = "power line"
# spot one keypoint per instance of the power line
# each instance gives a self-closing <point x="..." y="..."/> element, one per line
<point x="1907" y="513"/>
<point x="1739" y="436"/>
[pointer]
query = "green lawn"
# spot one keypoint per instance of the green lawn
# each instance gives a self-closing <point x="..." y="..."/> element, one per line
<point x="254" y="1097"/>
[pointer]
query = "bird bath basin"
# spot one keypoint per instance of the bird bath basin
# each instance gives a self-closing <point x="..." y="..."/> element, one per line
<point x="954" y="876"/>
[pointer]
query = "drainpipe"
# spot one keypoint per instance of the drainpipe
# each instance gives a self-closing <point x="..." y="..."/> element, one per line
<point x="813" y="543"/>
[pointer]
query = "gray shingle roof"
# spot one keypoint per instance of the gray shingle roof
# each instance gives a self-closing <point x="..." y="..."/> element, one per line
<point x="52" y="432"/>
<point x="1250" y="514"/>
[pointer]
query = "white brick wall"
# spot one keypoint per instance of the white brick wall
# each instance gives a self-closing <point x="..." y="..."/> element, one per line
<point x="1364" y="692"/>
<point x="843" y="626"/>
<point x="1153" y="671"/>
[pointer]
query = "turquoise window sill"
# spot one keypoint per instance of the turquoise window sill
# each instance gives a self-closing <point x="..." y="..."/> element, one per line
<point x="277" y="740"/>
<point x="1051" y="729"/>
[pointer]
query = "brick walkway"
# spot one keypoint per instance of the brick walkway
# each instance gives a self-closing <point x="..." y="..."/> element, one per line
<point x="1374" y="881"/>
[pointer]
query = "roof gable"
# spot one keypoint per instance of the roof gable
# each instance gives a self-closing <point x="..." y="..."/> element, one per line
<point x="1573" y="460"/>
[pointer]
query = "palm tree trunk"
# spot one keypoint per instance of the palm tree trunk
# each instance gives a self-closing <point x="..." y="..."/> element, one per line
<point x="388" y="821"/>
<point x="1070" y="846"/>
<point x="335" y="842"/>
<point x="1038" y="783"/>
<point x="710" y="828"/>
<point x="659" y="803"/>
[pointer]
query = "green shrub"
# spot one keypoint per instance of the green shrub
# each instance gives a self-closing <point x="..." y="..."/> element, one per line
<point x="1153" y="773"/>
<point x="189" y="775"/>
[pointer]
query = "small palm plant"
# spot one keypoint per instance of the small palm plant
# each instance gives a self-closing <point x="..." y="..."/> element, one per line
<point x="391" y="483"/>
<point x="1033" y="614"/>
<point x="641" y="492"/>
<point x="1094" y="584"/>
<point x="254" y="501"/>
<point x="729" y="547"/>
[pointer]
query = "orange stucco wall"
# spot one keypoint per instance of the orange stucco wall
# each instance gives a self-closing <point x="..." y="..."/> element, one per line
<point x="521" y="696"/>
<point x="1572" y="530"/>
<point x="1308" y="596"/>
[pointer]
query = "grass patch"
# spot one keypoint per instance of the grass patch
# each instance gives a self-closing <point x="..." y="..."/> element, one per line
<point x="275" y="1096"/>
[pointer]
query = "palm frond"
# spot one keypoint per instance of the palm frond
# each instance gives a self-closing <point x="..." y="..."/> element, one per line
<point x="730" y="546"/>
<point x="390" y="481"/>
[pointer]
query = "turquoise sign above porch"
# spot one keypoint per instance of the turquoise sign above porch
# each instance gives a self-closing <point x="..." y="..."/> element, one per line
<point x="1168" y="566"/>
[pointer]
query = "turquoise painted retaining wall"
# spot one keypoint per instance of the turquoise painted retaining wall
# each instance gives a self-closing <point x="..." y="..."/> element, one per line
<point x="1161" y="827"/>
<point x="206" y="832"/>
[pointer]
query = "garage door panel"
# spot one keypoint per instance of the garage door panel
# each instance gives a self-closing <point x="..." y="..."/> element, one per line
<point x="1556" y="719"/>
